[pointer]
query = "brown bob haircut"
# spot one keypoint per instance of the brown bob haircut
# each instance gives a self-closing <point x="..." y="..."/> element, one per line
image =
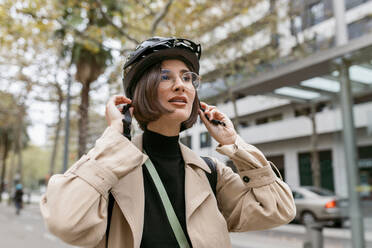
<point x="147" y="107"/>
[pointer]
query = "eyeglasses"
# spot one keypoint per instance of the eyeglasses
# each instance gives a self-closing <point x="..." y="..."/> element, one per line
<point x="189" y="78"/>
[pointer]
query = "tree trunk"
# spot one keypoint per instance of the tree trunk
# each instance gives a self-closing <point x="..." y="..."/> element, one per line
<point x="19" y="150"/>
<point x="3" y="170"/>
<point x="83" y="121"/>
<point x="56" y="136"/>
<point x="315" y="165"/>
<point x="11" y="174"/>
<point x="19" y="146"/>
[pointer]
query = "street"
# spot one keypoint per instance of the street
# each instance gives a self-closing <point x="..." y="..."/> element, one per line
<point x="28" y="230"/>
<point x="25" y="230"/>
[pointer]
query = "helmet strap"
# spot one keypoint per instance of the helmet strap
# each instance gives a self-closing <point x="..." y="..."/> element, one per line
<point x="127" y="121"/>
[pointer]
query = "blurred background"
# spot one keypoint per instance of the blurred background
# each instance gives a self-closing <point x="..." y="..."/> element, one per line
<point x="294" y="76"/>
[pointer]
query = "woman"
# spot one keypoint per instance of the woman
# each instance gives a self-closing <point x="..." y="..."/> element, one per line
<point x="160" y="80"/>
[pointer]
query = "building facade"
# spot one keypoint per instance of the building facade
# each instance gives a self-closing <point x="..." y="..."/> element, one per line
<point x="279" y="123"/>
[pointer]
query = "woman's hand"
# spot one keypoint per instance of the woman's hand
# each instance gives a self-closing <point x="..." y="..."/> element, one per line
<point x="113" y="111"/>
<point x="225" y="135"/>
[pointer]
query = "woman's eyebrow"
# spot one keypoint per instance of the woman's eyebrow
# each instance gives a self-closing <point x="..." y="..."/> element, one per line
<point x="184" y="70"/>
<point x="165" y="71"/>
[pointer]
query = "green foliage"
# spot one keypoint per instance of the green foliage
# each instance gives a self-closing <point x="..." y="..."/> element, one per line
<point x="84" y="31"/>
<point x="35" y="165"/>
<point x="7" y="110"/>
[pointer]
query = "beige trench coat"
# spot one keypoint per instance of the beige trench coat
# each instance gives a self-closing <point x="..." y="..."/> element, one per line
<point x="75" y="204"/>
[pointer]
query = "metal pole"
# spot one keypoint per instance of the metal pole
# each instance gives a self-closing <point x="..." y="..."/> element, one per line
<point x="340" y="22"/>
<point x="67" y="123"/>
<point x="346" y="100"/>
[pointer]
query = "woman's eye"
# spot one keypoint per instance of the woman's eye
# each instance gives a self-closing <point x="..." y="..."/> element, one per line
<point x="164" y="77"/>
<point x="186" y="78"/>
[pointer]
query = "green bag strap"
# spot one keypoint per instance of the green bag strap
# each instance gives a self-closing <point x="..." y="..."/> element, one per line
<point x="172" y="217"/>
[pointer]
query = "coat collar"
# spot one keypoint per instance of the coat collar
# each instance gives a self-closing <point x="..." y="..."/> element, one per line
<point x="189" y="156"/>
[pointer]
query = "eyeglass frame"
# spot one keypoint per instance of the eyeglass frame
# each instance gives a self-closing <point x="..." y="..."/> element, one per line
<point x="181" y="77"/>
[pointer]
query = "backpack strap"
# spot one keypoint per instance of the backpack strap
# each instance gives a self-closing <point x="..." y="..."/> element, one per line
<point x="111" y="202"/>
<point x="212" y="177"/>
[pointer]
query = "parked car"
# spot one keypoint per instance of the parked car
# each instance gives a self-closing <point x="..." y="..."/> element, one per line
<point x="316" y="204"/>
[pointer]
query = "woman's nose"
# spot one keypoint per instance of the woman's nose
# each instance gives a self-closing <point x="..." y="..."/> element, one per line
<point x="178" y="84"/>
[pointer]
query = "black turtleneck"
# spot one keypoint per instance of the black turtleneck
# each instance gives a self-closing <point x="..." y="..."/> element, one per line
<point x="166" y="156"/>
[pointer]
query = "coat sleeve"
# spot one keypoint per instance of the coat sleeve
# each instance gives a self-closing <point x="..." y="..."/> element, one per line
<point x="254" y="199"/>
<point x="74" y="206"/>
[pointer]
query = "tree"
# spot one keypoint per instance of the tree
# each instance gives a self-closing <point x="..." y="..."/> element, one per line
<point x="7" y="121"/>
<point x="95" y="32"/>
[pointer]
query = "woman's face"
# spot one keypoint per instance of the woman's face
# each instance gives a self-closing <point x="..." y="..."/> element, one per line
<point x="176" y="91"/>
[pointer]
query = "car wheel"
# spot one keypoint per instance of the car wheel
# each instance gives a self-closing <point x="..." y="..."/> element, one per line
<point x="307" y="218"/>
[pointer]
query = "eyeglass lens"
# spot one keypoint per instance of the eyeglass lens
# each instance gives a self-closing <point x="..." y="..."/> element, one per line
<point x="187" y="77"/>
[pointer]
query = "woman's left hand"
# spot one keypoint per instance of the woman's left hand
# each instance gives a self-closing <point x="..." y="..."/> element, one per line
<point x="225" y="135"/>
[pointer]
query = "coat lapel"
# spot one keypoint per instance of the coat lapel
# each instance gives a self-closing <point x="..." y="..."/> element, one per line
<point x="129" y="195"/>
<point x="197" y="188"/>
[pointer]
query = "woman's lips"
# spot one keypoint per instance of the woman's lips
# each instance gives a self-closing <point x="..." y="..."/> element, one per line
<point x="178" y="101"/>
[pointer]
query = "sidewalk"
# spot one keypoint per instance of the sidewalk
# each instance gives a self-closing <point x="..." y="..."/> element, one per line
<point x="30" y="227"/>
<point x="329" y="232"/>
<point x="294" y="236"/>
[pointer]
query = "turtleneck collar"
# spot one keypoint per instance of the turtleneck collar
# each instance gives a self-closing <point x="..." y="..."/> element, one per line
<point x="155" y="143"/>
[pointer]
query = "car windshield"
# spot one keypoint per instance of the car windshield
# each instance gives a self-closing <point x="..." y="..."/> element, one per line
<point x="321" y="192"/>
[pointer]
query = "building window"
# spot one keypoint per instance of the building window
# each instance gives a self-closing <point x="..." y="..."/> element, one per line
<point x="186" y="140"/>
<point x="261" y="121"/>
<point x="306" y="111"/>
<point x="205" y="140"/>
<point x="268" y="119"/>
<point x="243" y="124"/>
<point x="359" y="28"/>
<point x="365" y="171"/>
<point x="325" y="166"/>
<point x="353" y="3"/>
<point x="277" y="117"/>
<point x="316" y="13"/>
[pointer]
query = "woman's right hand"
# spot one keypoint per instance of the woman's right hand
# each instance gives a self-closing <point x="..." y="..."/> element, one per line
<point x="113" y="112"/>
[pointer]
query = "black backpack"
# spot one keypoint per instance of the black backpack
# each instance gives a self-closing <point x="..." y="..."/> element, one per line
<point x="212" y="178"/>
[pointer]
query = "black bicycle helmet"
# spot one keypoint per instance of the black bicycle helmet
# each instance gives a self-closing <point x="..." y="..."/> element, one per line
<point x="154" y="50"/>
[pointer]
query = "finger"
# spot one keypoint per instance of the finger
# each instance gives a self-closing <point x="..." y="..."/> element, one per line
<point x="118" y="99"/>
<point x="122" y="99"/>
<point x="203" y="105"/>
<point x="218" y="115"/>
<point x="210" y="111"/>
<point x="213" y="114"/>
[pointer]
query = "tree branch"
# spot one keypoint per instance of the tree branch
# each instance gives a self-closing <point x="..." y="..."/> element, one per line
<point x="160" y="16"/>
<point x="145" y="6"/>
<point x="108" y="19"/>
<point x="73" y="29"/>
